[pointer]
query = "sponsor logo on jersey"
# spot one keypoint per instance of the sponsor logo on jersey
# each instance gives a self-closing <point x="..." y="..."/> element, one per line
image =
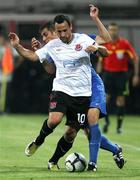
<point x="78" y="47"/>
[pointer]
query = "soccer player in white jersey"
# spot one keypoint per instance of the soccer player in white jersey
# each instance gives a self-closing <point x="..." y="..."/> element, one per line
<point x="64" y="99"/>
<point x="66" y="141"/>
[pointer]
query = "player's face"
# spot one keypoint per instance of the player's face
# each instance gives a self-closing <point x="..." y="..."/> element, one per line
<point x="63" y="31"/>
<point x="47" y="35"/>
<point x="113" y="31"/>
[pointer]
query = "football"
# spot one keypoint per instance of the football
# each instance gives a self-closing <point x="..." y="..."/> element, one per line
<point x="75" y="162"/>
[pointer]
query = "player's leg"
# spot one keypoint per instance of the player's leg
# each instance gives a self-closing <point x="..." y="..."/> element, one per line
<point x="46" y="129"/>
<point x="63" y="146"/>
<point x="75" y="118"/>
<point x="121" y="90"/>
<point x="98" y="104"/>
<point x="57" y="110"/>
<point x="120" y="103"/>
<point x="94" y="137"/>
<point x="107" y="121"/>
<point x="93" y="118"/>
<point x="107" y="145"/>
<point x="48" y="126"/>
<point x="109" y="86"/>
<point x="116" y="150"/>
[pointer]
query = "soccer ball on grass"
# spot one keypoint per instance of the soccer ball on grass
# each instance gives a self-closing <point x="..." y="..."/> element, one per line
<point x="75" y="162"/>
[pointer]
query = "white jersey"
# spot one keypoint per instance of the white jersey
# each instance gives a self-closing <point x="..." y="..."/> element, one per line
<point x="73" y="67"/>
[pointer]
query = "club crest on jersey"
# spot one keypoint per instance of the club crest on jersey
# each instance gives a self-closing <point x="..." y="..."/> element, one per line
<point x="53" y="105"/>
<point x="78" y="47"/>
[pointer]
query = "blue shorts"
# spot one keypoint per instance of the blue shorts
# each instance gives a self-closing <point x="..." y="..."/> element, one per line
<point x="98" y="97"/>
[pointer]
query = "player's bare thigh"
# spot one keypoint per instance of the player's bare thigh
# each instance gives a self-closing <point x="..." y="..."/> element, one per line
<point x="120" y="100"/>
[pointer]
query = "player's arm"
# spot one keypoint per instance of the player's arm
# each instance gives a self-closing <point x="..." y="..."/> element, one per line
<point x="99" y="66"/>
<point x="48" y="66"/>
<point x="26" y="53"/>
<point x="35" y="44"/>
<point x="136" y="71"/>
<point x="97" y="48"/>
<point x="135" y="79"/>
<point x="103" y="36"/>
<point x="133" y="55"/>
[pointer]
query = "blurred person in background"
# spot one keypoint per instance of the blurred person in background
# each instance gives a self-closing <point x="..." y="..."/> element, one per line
<point x="9" y="59"/>
<point x="115" y="73"/>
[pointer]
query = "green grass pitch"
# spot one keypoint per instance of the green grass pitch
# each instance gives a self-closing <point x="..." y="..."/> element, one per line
<point x="16" y="131"/>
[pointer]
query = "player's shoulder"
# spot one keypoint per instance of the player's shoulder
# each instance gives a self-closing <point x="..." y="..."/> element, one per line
<point x="53" y="42"/>
<point x="81" y="36"/>
<point x="124" y="40"/>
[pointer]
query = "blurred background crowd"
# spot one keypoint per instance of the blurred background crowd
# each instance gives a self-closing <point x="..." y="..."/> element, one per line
<point x="25" y="86"/>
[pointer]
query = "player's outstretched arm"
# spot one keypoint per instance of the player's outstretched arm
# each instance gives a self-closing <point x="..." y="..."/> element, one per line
<point x="136" y="80"/>
<point x="26" y="53"/>
<point x="103" y="51"/>
<point x="104" y="36"/>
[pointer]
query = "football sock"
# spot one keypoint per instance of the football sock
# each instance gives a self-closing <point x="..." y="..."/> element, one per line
<point x="45" y="131"/>
<point x="107" y="122"/>
<point x="119" y="122"/>
<point x="94" y="142"/>
<point x="62" y="148"/>
<point x="120" y="116"/>
<point x="106" y="144"/>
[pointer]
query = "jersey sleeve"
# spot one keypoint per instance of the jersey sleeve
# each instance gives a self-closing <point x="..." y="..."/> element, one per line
<point x="89" y="41"/>
<point x="42" y="53"/>
<point x="130" y="50"/>
<point x="92" y="36"/>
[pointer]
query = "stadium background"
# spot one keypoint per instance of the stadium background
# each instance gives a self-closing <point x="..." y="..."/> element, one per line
<point x="31" y="85"/>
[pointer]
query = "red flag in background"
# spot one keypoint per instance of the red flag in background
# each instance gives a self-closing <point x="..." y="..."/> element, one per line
<point x="7" y="61"/>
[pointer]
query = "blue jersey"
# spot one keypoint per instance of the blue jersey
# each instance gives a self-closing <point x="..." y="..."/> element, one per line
<point x="98" y="97"/>
<point x="92" y="36"/>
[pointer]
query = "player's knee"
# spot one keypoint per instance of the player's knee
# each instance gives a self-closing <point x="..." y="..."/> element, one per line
<point x="92" y="120"/>
<point x="54" y="120"/>
<point x="93" y="116"/>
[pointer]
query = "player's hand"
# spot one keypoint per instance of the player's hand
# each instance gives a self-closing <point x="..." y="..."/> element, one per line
<point x="135" y="80"/>
<point x="35" y="44"/>
<point x="94" y="11"/>
<point x="91" y="49"/>
<point x="14" y="39"/>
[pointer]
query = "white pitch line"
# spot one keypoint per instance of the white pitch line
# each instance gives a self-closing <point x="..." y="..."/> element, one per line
<point x="131" y="146"/>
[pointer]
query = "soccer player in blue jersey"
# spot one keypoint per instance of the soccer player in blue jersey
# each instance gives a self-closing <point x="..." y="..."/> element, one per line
<point x="95" y="140"/>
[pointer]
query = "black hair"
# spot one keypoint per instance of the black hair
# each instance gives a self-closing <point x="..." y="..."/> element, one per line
<point x="49" y="25"/>
<point x="61" y="18"/>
